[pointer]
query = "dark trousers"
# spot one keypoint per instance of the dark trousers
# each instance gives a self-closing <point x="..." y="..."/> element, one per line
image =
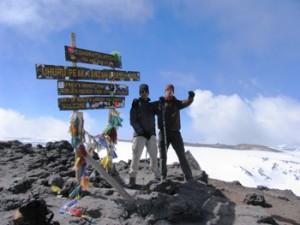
<point x="174" y="138"/>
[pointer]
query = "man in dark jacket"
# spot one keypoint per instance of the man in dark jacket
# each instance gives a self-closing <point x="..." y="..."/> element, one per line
<point x="169" y="129"/>
<point x="142" y="119"/>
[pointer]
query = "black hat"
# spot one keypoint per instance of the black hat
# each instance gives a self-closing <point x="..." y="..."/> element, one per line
<point x="144" y="87"/>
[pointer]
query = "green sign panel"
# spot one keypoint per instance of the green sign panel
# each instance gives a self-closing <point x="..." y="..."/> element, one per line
<point x="91" y="103"/>
<point x="90" y="88"/>
<point x="86" y="56"/>
<point x="80" y="73"/>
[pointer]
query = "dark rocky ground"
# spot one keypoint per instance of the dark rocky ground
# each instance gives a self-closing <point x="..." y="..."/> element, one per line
<point x="25" y="169"/>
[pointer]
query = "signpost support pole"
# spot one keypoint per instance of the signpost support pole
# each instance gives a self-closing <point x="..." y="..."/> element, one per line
<point x="74" y="64"/>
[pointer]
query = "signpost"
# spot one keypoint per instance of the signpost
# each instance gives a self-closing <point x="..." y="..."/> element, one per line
<point x="100" y="95"/>
<point x="80" y="73"/>
<point x="90" y="88"/>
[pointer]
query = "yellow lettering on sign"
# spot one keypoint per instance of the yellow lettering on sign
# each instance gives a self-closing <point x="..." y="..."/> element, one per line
<point x="62" y="100"/>
<point x="80" y="73"/>
<point x="79" y="105"/>
<point x="72" y="71"/>
<point x="95" y="73"/>
<point x="53" y="71"/>
<point x="105" y="74"/>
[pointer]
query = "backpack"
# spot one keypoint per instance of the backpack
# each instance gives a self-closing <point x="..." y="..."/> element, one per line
<point x="35" y="212"/>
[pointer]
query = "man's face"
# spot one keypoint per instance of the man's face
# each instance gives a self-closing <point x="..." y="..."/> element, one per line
<point x="144" y="94"/>
<point x="169" y="92"/>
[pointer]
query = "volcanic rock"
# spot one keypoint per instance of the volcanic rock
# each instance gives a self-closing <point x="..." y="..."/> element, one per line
<point x="26" y="170"/>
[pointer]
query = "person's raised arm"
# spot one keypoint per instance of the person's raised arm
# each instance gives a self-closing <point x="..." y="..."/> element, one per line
<point x="187" y="102"/>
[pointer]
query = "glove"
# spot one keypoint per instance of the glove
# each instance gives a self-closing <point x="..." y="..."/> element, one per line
<point x="162" y="99"/>
<point x="191" y="94"/>
<point x="135" y="103"/>
<point x="147" y="135"/>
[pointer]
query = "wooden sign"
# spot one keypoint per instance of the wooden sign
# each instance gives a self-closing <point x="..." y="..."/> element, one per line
<point x="86" y="56"/>
<point x="91" y="103"/>
<point x="80" y="73"/>
<point x="90" y="88"/>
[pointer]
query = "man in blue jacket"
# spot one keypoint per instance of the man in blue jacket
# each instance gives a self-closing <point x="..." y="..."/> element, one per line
<point x="142" y="119"/>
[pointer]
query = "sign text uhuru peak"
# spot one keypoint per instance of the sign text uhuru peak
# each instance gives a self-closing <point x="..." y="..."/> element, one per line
<point x="80" y="73"/>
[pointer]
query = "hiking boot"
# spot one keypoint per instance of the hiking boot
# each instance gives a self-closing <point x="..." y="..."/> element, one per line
<point x="131" y="183"/>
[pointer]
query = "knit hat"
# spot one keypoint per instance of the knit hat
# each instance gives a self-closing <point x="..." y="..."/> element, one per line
<point x="144" y="87"/>
<point x="169" y="86"/>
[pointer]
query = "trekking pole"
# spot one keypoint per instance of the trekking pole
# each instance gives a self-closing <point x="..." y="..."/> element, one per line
<point x="145" y="167"/>
<point x="163" y="111"/>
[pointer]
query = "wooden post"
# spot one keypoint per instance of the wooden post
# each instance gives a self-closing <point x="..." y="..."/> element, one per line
<point x="108" y="178"/>
<point x="74" y="64"/>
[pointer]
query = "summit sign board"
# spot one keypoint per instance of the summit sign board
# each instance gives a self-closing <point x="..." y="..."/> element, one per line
<point x="90" y="88"/>
<point x="91" y="57"/>
<point x="93" y="102"/>
<point x="44" y="71"/>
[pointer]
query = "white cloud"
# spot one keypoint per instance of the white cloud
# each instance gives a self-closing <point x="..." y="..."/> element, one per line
<point x="232" y="120"/>
<point x="15" y="125"/>
<point x="278" y="118"/>
<point x="31" y="17"/>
